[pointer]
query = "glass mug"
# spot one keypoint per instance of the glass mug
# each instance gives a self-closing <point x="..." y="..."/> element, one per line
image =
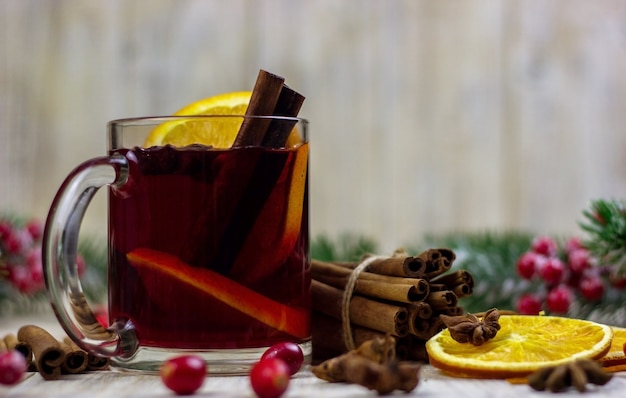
<point x="208" y="248"/>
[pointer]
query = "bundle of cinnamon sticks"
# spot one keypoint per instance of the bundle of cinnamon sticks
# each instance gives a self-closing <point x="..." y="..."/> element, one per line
<point x="49" y="356"/>
<point x="400" y="295"/>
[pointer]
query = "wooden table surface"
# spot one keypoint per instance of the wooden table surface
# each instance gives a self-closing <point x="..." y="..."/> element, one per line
<point x="304" y="384"/>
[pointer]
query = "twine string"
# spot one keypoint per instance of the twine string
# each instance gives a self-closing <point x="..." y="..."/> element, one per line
<point x="348" y="338"/>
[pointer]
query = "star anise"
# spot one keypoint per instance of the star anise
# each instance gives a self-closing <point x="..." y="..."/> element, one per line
<point x="470" y="329"/>
<point x="576" y="373"/>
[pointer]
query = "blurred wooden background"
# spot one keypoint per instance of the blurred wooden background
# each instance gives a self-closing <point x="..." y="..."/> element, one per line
<point x="427" y="116"/>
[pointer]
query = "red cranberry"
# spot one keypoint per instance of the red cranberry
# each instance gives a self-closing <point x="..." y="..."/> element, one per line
<point x="528" y="263"/>
<point x="21" y="279"/>
<point x="552" y="271"/>
<point x="544" y="245"/>
<point x="572" y="244"/>
<point x="6" y="229"/>
<point x="18" y="241"/>
<point x="289" y="352"/>
<point x="35" y="229"/>
<point x="12" y="367"/>
<point x="579" y="260"/>
<point x="592" y="288"/>
<point x="183" y="374"/>
<point x="529" y="304"/>
<point x="269" y="378"/>
<point x="559" y="299"/>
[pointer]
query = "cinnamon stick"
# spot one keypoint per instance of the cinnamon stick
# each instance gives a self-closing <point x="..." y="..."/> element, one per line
<point x="288" y="104"/>
<point x="11" y="342"/>
<point x="365" y="312"/>
<point x="326" y="333"/>
<point x="451" y="311"/>
<point x="421" y="310"/>
<point x="263" y="101"/>
<point x="75" y="357"/>
<point x="400" y="264"/>
<point x="399" y="292"/>
<point x="437" y="261"/>
<point x="425" y="329"/>
<point x="439" y="300"/>
<point x="95" y="362"/>
<point x="455" y="278"/>
<point x="48" y="353"/>
<point x="325" y="271"/>
<point x="266" y="100"/>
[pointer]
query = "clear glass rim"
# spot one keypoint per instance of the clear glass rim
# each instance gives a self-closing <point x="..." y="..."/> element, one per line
<point x="148" y="120"/>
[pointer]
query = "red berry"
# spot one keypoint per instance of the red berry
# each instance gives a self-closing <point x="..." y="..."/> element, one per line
<point x="573" y="244"/>
<point x="559" y="299"/>
<point x="183" y="374"/>
<point x="21" y="279"/>
<point x="12" y="367"/>
<point x="289" y="352"/>
<point x="269" y="378"/>
<point x="552" y="271"/>
<point x="592" y="288"/>
<point x="16" y="242"/>
<point x="6" y="229"/>
<point x="35" y="229"/>
<point x="528" y="263"/>
<point x="579" y="260"/>
<point x="529" y="304"/>
<point x="544" y="245"/>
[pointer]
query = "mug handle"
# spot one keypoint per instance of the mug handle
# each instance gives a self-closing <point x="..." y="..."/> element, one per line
<point x="59" y="250"/>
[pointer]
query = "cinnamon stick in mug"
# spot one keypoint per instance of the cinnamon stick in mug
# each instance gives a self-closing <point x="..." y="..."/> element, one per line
<point x="48" y="353"/>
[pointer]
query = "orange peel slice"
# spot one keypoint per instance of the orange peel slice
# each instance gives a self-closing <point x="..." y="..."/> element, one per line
<point x="293" y="321"/>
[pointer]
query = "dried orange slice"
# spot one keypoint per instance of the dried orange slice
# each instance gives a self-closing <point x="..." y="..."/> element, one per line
<point x="523" y="344"/>
<point x="616" y="355"/>
<point x="218" y="133"/>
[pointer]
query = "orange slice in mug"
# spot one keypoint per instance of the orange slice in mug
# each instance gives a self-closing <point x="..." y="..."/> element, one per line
<point x="208" y="283"/>
<point x="222" y="134"/>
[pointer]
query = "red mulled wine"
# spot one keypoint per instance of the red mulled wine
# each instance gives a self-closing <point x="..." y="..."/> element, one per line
<point x="209" y="247"/>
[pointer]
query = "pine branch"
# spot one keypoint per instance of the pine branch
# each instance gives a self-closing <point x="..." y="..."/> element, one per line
<point x="605" y="224"/>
